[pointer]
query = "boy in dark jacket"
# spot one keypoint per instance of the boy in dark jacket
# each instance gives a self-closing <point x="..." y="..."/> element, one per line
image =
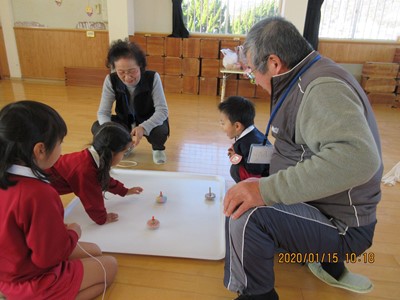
<point x="237" y="121"/>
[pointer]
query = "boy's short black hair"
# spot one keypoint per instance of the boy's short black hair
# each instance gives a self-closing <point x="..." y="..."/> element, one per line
<point x="238" y="109"/>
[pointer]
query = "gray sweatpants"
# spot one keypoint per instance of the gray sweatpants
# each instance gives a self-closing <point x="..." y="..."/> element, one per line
<point x="301" y="228"/>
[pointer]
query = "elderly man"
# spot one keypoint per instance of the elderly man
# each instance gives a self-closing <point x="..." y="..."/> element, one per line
<point x="319" y="201"/>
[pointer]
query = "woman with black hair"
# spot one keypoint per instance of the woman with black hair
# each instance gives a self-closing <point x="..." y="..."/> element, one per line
<point x="140" y="101"/>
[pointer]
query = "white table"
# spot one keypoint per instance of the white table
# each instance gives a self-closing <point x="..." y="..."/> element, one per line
<point x="225" y="74"/>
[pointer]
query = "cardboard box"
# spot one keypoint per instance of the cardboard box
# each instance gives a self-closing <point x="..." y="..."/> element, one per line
<point x="231" y="88"/>
<point x="210" y="67"/>
<point x="190" y="85"/>
<point x="173" y="66"/>
<point x="190" y="66"/>
<point x="208" y="86"/>
<point x="381" y="98"/>
<point x="396" y="58"/>
<point x="155" y="45"/>
<point x="173" y="47"/>
<point x="246" y="89"/>
<point x="140" y="40"/>
<point x="378" y="85"/>
<point x="209" y="48"/>
<point x="380" y="69"/>
<point x="156" y="63"/>
<point x="191" y="47"/>
<point x="173" y="84"/>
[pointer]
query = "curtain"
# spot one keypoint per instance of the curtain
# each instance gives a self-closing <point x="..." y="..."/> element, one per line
<point x="313" y="19"/>
<point x="178" y="27"/>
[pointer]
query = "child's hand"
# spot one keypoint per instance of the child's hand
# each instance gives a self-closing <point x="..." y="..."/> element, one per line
<point x="75" y="227"/>
<point x="112" y="217"/>
<point x="134" y="190"/>
<point x="231" y="152"/>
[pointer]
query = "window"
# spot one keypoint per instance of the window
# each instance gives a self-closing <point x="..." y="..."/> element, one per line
<point x="360" y="19"/>
<point x="226" y="16"/>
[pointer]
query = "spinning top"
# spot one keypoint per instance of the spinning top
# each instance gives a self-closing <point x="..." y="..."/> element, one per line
<point x="153" y="223"/>
<point x="209" y="196"/>
<point x="161" y="198"/>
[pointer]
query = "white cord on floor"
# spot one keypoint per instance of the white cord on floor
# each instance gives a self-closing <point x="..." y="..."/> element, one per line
<point x="127" y="164"/>
<point x="104" y="270"/>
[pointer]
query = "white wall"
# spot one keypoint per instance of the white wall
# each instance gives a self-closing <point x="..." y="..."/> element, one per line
<point x="295" y="11"/>
<point x="7" y="23"/>
<point x="124" y="17"/>
<point x="153" y="16"/>
<point x="120" y="19"/>
<point x="49" y="14"/>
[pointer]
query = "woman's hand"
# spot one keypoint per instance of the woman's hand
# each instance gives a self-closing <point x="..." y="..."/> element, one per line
<point x="134" y="190"/>
<point x="137" y="134"/>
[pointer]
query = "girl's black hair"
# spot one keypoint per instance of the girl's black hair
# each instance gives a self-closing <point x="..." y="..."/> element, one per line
<point x="23" y="124"/>
<point x="110" y="138"/>
<point x="238" y="109"/>
<point x="126" y="49"/>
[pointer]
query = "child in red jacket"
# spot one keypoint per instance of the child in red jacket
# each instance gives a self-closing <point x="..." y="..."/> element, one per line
<point x="40" y="257"/>
<point x="87" y="173"/>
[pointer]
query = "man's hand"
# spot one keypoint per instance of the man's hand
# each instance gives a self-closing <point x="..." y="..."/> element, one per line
<point x="241" y="197"/>
<point x="137" y="134"/>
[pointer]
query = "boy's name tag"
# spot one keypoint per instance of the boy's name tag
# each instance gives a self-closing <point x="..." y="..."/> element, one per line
<point x="260" y="154"/>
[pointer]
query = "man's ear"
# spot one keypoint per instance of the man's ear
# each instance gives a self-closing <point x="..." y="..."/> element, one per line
<point x="39" y="151"/>
<point x="276" y="65"/>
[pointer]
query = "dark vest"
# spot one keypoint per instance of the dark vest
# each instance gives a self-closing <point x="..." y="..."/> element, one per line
<point x="289" y="153"/>
<point x="143" y="104"/>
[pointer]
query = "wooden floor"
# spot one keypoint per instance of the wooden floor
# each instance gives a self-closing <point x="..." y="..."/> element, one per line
<point x="197" y="144"/>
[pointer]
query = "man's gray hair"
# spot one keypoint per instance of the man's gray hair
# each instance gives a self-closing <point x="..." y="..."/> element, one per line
<point x="275" y="35"/>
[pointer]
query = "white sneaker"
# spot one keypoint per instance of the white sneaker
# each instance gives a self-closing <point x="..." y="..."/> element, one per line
<point x="159" y="157"/>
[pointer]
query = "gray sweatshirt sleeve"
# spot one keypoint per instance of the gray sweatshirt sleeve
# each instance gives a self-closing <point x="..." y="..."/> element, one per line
<point x="331" y="122"/>
<point x="106" y="102"/>
<point x="160" y="105"/>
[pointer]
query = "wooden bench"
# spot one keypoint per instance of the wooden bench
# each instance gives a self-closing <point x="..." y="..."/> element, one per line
<point x="85" y="76"/>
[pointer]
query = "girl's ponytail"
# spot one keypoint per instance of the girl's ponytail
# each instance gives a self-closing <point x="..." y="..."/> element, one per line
<point x="110" y="138"/>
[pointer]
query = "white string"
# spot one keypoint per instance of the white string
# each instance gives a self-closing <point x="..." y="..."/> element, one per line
<point x="104" y="270"/>
<point x="127" y="164"/>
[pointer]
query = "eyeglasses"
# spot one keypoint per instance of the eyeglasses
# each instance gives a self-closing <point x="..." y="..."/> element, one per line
<point x="250" y="75"/>
<point x="132" y="71"/>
